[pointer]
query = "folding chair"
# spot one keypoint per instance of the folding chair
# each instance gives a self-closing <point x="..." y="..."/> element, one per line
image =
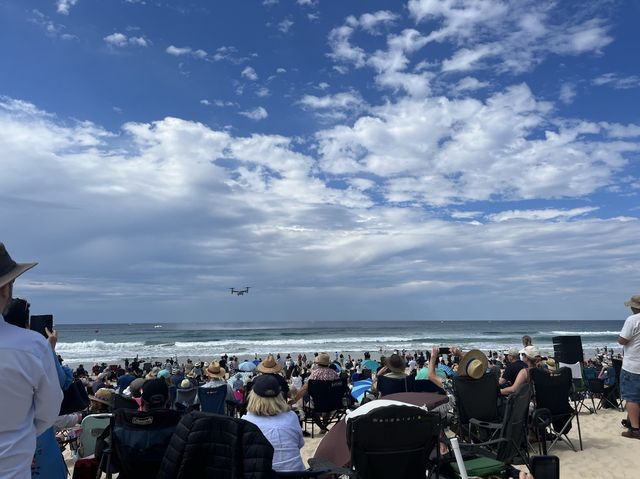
<point x="580" y="390"/>
<point x="138" y="442"/>
<point x="552" y="392"/>
<point x="186" y="399"/>
<point x="476" y="399"/>
<point x="212" y="399"/>
<point x="426" y="386"/>
<point x="394" y="441"/>
<point x="211" y="445"/>
<point x="326" y="403"/>
<point x="388" y="385"/>
<point x="599" y="391"/>
<point x="91" y="427"/>
<point x="120" y="401"/>
<point x="617" y="367"/>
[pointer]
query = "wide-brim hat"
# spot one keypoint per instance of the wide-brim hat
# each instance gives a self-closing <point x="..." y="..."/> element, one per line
<point x="103" y="396"/>
<point x="473" y="364"/>
<point x="395" y="363"/>
<point x="634" y="301"/>
<point x="323" y="359"/>
<point x="269" y="365"/>
<point x="215" y="371"/>
<point x="9" y="269"/>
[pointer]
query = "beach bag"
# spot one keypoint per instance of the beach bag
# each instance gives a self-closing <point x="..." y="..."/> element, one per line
<point x="481" y="467"/>
<point x="75" y="398"/>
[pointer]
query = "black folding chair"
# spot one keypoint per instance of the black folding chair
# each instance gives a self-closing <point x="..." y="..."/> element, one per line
<point x="476" y="399"/>
<point x="426" y="386"/>
<point x="212" y="399"/>
<point x="552" y="392"/>
<point x="394" y="441"/>
<point x="617" y="367"/>
<point x="137" y="442"/>
<point x="186" y="399"/>
<point x="120" y="401"/>
<point x="388" y="385"/>
<point x="326" y="403"/>
<point x="598" y="390"/>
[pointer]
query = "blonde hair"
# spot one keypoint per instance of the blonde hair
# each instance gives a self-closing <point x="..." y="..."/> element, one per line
<point x="263" y="406"/>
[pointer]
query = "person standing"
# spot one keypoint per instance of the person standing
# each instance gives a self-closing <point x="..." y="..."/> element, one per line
<point x="629" y="338"/>
<point x="30" y="388"/>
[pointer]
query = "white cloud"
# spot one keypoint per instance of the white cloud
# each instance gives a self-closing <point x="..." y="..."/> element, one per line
<point x="51" y="29"/>
<point x="186" y="51"/>
<point x="250" y="74"/>
<point x="567" y="93"/>
<point x="616" y="81"/>
<point x="120" y="40"/>
<point x="258" y="113"/>
<point x="63" y="6"/>
<point x="540" y="215"/>
<point x="285" y="25"/>
<point x="470" y="84"/>
<point x="371" y="21"/>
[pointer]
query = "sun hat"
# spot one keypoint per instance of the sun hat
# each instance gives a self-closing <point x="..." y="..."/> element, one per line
<point x="164" y="373"/>
<point x="102" y="396"/>
<point x="266" y="386"/>
<point x="395" y="363"/>
<point x="9" y="269"/>
<point x="155" y="391"/>
<point x="323" y="359"/>
<point x="512" y="352"/>
<point x="215" y="371"/>
<point x="551" y="363"/>
<point x="153" y="373"/>
<point x="634" y="301"/>
<point x="530" y="351"/>
<point x="269" y="365"/>
<point x="186" y="384"/>
<point x="473" y="364"/>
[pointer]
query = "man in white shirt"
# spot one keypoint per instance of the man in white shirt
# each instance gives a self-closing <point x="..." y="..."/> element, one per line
<point x="30" y="391"/>
<point x="630" y="375"/>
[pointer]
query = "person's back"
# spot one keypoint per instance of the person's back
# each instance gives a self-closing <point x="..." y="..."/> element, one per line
<point x="31" y="397"/>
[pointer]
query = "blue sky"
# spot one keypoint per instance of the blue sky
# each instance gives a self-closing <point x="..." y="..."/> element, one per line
<point x="384" y="160"/>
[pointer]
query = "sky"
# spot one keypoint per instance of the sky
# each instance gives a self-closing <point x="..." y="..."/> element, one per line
<point x="347" y="160"/>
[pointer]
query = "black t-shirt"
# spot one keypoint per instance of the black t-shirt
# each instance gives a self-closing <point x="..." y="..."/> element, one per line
<point x="512" y="370"/>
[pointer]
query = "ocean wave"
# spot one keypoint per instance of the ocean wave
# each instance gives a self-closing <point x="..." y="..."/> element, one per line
<point x="579" y="333"/>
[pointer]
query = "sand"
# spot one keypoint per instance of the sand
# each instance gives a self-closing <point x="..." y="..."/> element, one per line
<point x="605" y="454"/>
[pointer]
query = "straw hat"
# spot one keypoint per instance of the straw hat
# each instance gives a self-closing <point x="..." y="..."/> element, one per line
<point x="215" y="371"/>
<point x="323" y="359"/>
<point x="269" y="365"/>
<point x="473" y="364"/>
<point x="103" y="396"/>
<point x="9" y="269"/>
<point x="634" y="302"/>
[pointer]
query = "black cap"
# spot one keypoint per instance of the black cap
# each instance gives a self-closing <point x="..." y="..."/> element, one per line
<point x="266" y="385"/>
<point x="155" y="392"/>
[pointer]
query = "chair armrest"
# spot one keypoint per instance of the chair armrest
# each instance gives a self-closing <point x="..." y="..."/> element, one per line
<point x="485" y="424"/>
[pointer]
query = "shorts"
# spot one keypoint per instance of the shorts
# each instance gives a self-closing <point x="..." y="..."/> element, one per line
<point x="630" y="386"/>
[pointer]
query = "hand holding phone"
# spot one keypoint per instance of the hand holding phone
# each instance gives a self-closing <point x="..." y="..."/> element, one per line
<point x="40" y="323"/>
<point x="444" y="351"/>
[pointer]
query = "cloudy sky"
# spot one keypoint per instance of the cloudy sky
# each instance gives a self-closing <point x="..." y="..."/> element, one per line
<point x="384" y="160"/>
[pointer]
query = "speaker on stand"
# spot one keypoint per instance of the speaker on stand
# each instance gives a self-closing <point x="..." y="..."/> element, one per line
<point x="568" y="349"/>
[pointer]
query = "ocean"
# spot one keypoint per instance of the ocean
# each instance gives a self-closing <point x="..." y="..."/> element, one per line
<point x="89" y="343"/>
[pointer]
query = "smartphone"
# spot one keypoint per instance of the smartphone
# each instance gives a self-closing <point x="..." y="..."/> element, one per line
<point x="39" y="322"/>
<point x="444" y="351"/>
<point x="545" y="467"/>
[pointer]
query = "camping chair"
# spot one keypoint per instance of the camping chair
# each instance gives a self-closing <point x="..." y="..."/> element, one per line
<point x="394" y="441"/>
<point x="212" y="445"/>
<point x="509" y="446"/>
<point x="326" y="403"/>
<point x="598" y="390"/>
<point x="426" y="386"/>
<point x="120" y="401"/>
<point x="388" y="386"/>
<point x="476" y="399"/>
<point x="91" y="427"/>
<point x="580" y="389"/>
<point x="617" y="367"/>
<point x="137" y="442"/>
<point x="186" y="399"/>
<point x="212" y="399"/>
<point x="552" y="392"/>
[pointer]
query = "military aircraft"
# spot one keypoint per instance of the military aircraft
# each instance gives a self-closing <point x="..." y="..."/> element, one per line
<point x="240" y="292"/>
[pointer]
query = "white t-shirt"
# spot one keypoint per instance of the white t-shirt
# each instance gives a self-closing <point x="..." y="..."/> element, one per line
<point x="30" y="397"/>
<point x="631" y="332"/>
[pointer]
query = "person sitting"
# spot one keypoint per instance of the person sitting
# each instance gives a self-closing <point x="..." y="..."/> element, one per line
<point x="271" y="366"/>
<point x="394" y="368"/>
<point x="268" y="410"/>
<point x="322" y="372"/>
<point x="369" y="363"/>
<point x="531" y="357"/>
<point x="155" y="394"/>
<point x="514" y="365"/>
<point x="101" y="401"/>
<point x="217" y="376"/>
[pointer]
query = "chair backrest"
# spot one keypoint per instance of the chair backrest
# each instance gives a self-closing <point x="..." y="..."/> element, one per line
<point x="393" y="441"/>
<point x="140" y="439"/>
<point x="328" y="395"/>
<point x="212" y="399"/>
<point x="476" y="398"/>
<point x="426" y="386"/>
<point x="120" y="401"/>
<point x="173" y="391"/>
<point x="552" y="392"/>
<point x="388" y="385"/>
<point x="211" y="445"/>
<point x="186" y="397"/>
<point x="590" y="373"/>
<point x="617" y="366"/>
<point x="514" y="425"/>
<point x="91" y="427"/>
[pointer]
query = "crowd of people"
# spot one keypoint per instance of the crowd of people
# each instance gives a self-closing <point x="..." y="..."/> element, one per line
<point x="269" y="391"/>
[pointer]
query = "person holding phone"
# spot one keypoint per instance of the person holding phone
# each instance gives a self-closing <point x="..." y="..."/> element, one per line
<point x="30" y="390"/>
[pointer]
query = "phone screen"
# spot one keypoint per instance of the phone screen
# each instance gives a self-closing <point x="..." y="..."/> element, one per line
<point x="445" y="351"/>
<point x="39" y="322"/>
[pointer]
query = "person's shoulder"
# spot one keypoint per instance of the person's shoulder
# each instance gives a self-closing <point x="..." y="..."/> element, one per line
<point x="20" y="338"/>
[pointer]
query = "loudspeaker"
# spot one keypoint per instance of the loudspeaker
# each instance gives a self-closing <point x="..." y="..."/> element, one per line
<point x="568" y="349"/>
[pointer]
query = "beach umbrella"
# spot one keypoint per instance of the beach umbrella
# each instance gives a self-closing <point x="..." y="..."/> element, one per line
<point x="247" y="366"/>
<point x="359" y="388"/>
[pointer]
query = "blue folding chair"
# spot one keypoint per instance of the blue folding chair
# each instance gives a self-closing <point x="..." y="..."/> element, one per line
<point x="212" y="399"/>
